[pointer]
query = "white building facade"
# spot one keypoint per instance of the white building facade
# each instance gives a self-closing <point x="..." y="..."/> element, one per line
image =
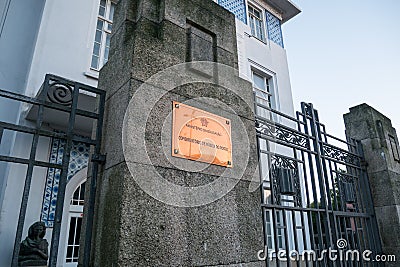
<point x="41" y="37"/>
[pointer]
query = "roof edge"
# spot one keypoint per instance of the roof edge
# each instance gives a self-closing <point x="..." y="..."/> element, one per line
<point x="286" y="8"/>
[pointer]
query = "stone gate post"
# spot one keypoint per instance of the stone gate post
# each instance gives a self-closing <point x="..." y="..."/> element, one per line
<point x="131" y="226"/>
<point x="381" y="149"/>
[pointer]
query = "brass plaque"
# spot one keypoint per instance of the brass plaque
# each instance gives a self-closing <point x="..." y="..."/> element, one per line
<point x="201" y="136"/>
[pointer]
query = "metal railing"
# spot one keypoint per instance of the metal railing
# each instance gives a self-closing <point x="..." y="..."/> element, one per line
<point x="56" y="95"/>
<point x="314" y="193"/>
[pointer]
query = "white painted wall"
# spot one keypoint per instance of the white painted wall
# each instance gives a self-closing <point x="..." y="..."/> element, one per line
<point x="269" y="58"/>
<point x="19" y="23"/>
<point x="65" y="42"/>
<point x="61" y="45"/>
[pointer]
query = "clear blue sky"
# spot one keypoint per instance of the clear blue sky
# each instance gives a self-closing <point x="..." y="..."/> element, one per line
<point x="345" y="52"/>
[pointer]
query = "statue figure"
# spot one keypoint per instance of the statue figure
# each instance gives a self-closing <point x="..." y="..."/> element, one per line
<point x="34" y="249"/>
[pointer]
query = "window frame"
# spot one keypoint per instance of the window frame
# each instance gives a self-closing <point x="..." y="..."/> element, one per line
<point x="105" y="35"/>
<point x="267" y="80"/>
<point x="72" y="246"/>
<point x="270" y="230"/>
<point x="80" y="192"/>
<point x="251" y="17"/>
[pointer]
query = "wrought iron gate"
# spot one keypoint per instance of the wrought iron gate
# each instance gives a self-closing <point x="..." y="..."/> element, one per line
<point x="63" y="99"/>
<point x="316" y="193"/>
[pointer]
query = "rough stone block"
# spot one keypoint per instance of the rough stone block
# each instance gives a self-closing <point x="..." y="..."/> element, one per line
<point x="375" y="131"/>
<point x="151" y="136"/>
<point x="107" y="219"/>
<point x="375" y="155"/>
<point x="142" y="216"/>
<point x="200" y="44"/>
<point x="146" y="232"/>
<point x="116" y="72"/>
<point x="361" y="122"/>
<point x="115" y="108"/>
<point x="389" y="223"/>
<point x="381" y="189"/>
<point x="125" y="10"/>
<point x="152" y="55"/>
<point x="210" y="98"/>
<point x="209" y="15"/>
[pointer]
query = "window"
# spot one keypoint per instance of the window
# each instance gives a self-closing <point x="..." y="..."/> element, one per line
<point x="75" y="225"/>
<point x="256" y="22"/>
<point x="74" y="235"/>
<point x="262" y="88"/>
<point x="280" y="228"/>
<point x="101" y="44"/>
<point x="78" y="198"/>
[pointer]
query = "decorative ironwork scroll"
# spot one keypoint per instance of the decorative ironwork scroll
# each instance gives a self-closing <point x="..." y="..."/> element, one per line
<point x="60" y="93"/>
<point x="341" y="155"/>
<point x="281" y="133"/>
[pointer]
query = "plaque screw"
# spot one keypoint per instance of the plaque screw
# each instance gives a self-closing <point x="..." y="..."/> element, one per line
<point x="176" y="105"/>
<point x="229" y="163"/>
<point x="176" y="151"/>
<point x="227" y="122"/>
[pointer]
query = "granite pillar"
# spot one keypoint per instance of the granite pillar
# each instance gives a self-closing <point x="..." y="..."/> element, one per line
<point x="133" y="227"/>
<point x="381" y="149"/>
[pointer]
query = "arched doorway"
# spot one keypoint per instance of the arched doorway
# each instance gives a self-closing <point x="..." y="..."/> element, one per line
<point x="72" y="220"/>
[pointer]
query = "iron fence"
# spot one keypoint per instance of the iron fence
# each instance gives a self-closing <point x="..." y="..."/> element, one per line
<point x="61" y="98"/>
<point x="315" y="191"/>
